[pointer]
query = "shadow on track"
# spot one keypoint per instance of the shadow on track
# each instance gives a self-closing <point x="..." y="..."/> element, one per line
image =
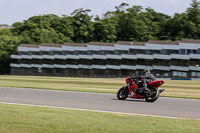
<point x="130" y="100"/>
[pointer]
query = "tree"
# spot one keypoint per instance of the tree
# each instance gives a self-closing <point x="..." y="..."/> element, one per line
<point x="125" y="23"/>
<point x="41" y="29"/>
<point x="66" y="27"/>
<point x="180" y="27"/>
<point x="8" y="46"/>
<point x="83" y="26"/>
<point x="105" y="31"/>
<point x="193" y="12"/>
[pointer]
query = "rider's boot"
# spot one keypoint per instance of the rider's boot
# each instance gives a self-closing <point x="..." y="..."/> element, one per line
<point x="131" y="94"/>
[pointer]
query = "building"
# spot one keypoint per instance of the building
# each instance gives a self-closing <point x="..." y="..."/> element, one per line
<point x="164" y="58"/>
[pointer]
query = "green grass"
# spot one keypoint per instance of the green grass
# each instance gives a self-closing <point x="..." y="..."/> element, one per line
<point x="173" y="88"/>
<point x="27" y="119"/>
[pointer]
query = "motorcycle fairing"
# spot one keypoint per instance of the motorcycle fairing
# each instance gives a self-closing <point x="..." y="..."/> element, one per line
<point x="156" y="83"/>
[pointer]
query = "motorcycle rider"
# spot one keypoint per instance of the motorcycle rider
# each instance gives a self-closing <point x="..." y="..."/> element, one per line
<point x="146" y="78"/>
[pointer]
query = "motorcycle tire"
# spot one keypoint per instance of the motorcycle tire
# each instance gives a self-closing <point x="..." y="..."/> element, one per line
<point x="122" y="94"/>
<point x="154" y="97"/>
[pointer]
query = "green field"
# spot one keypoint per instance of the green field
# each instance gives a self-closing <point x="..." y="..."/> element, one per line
<point x="27" y="119"/>
<point x="173" y="88"/>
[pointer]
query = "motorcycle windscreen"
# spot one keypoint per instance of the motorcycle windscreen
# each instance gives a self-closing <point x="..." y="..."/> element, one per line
<point x="156" y="83"/>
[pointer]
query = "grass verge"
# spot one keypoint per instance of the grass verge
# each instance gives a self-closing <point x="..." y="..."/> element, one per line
<point x="28" y="119"/>
<point x="181" y="89"/>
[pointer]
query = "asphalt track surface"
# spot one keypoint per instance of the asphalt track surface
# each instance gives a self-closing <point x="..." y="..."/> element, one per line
<point x="164" y="107"/>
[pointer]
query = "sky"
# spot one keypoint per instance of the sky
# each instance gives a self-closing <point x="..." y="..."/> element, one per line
<point x="12" y="11"/>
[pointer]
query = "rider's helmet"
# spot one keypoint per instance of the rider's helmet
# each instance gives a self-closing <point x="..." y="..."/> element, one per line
<point x="145" y="72"/>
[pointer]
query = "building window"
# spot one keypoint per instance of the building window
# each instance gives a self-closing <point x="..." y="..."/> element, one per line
<point x="34" y="53"/>
<point x="165" y="74"/>
<point x="75" y="53"/>
<point x="68" y="53"/>
<point x="168" y="52"/>
<point x="192" y="51"/>
<point x="116" y="52"/>
<point x="95" y="52"/>
<point x="183" y="51"/>
<point x="159" y="62"/>
<point x="109" y="52"/>
<point x="196" y="74"/>
<point x="123" y="52"/>
<point x="150" y="52"/>
<point x="57" y="52"/>
<point x="188" y="51"/>
<point x="82" y="52"/>
<point x="89" y="52"/>
<point x="198" y="51"/>
<point x="179" y="74"/>
<point x="176" y="62"/>
<point x="102" y="52"/>
<point x="23" y="53"/>
<point x="46" y="52"/>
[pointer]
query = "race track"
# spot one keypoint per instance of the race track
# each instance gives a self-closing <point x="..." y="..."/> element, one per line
<point x="164" y="107"/>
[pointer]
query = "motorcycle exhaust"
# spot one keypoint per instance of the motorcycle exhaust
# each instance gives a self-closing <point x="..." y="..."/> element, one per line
<point x="161" y="90"/>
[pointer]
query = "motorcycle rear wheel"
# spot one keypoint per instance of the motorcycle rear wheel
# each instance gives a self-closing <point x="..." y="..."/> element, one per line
<point x="122" y="94"/>
<point x="155" y="96"/>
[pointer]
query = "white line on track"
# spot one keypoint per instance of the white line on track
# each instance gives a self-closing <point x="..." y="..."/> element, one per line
<point x="100" y="111"/>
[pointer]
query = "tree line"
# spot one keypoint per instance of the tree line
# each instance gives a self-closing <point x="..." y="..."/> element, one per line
<point x="125" y="23"/>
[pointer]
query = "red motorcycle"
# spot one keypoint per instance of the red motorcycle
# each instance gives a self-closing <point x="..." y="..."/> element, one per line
<point x="133" y="89"/>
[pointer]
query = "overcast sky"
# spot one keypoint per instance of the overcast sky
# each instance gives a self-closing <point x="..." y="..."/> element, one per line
<point x="18" y="10"/>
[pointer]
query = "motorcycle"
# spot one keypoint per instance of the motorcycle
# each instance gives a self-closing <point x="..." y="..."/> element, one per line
<point x="133" y="89"/>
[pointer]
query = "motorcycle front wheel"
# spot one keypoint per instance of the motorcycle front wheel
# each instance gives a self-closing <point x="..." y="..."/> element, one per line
<point x="155" y="95"/>
<point x="122" y="94"/>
